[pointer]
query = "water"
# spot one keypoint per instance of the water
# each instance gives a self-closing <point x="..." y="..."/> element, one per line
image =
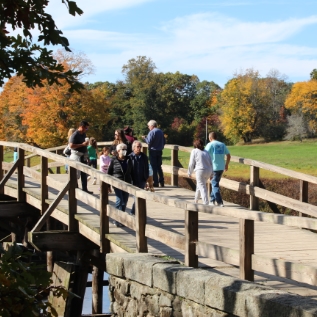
<point x="88" y="298"/>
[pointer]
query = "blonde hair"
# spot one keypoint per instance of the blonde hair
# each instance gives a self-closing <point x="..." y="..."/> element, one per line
<point x="70" y="132"/>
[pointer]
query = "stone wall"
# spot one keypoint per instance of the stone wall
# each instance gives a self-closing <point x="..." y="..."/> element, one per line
<point x="145" y="285"/>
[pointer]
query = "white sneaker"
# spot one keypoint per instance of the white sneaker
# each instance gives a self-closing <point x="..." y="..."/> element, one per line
<point x="221" y="205"/>
<point x="94" y="182"/>
<point x="88" y="178"/>
<point x="212" y="203"/>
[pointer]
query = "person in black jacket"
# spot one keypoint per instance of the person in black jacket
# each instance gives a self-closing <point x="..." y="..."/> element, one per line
<point x="140" y="167"/>
<point x="121" y="168"/>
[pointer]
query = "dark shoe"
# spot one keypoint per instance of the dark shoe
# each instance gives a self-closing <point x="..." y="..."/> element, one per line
<point x="118" y="224"/>
<point x="156" y="185"/>
<point x="88" y="191"/>
<point x="161" y="184"/>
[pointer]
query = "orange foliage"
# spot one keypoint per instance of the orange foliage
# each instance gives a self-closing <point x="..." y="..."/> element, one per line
<point x="49" y="112"/>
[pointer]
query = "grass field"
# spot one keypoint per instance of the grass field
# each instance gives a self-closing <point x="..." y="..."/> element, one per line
<point x="296" y="156"/>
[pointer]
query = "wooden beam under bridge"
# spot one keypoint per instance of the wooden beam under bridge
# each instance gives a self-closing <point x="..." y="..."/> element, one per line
<point x="60" y="240"/>
<point x="13" y="209"/>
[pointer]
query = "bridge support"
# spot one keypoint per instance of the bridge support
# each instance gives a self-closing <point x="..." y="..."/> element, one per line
<point x="246" y="249"/>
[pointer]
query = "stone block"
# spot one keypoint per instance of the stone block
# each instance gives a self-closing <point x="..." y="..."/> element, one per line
<point x="138" y="291"/>
<point x="152" y="304"/>
<point x="191" y="284"/>
<point x="166" y="300"/>
<point x="165" y="276"/>
<point x="115" y="264"/>
<point x="166" y="312"/>
<point x="278" y="303"/>
<point x="132" y="309"/>
<point x="139" y="268"/>
<point x="177" y="307"/>
<point x="229" y="294"/>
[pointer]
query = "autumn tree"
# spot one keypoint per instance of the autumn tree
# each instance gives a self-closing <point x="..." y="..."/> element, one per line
<point x="252" y="106"/>
<point x="239" y="101"/>
<point x="20" y="55"/>
<point x="303" y="99"/>
<point x="12" y="100"/>
<point x="44" y="114"/>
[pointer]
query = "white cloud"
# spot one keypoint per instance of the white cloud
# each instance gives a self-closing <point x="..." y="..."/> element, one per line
<point x="204" y="44"/>
<point x="90" y="8"/>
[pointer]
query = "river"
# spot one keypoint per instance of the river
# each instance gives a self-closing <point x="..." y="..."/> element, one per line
<point x="88" y="300"/>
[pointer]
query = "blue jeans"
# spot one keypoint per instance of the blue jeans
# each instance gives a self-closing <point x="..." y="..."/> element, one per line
<point x="140" y="185"/>
<point x="215" y="191"/>
<point x="156" y="163"/>
<point x="121" y="198"/>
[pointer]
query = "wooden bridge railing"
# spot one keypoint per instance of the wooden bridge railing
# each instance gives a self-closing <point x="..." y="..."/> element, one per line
<point x="245" y="257"/>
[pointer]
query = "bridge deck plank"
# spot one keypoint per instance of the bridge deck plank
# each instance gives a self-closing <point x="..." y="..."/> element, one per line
<point x="287" y="243"/>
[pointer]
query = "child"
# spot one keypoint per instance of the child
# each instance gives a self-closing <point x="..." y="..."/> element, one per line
<point x="104" y="161"/>
<point x="92" y="154"/>
<point x="149" y="182"/>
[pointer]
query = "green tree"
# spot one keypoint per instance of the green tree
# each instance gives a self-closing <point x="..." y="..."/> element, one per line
<point x="24" y="285"/>
<point x="201" y="103"/>
<point x="313" y="74"/>
<point x="20" y="55"/>
<point x="141" y="86"/>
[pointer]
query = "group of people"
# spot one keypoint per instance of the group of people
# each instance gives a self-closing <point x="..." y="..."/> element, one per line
<point x="124" y="159"/>
<point x="209" y="163"/>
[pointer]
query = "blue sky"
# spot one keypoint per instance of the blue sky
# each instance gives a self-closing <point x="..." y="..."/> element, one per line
<point x="211" y="39"/>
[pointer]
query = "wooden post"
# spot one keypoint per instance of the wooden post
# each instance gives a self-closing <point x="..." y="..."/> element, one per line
<point x="140" y="223"/>
<point x="72" y="201"/>
<point x="97" y="287"/>
<point x="191" y="237"/>
<point x="303" y="194"/>
<point x="174" y="162"/>
<point x="44" y="186"/>
<point x="144" y="150"/>
<point x="246" y="249"/>
<point x="1" y="168"/>
<point x="21" y="194"/>
<point x="58" y="168"/>
<point x="104" y="219"/>
<point x="254" y="181"/>
<point x="81" y="282"/>
<point x="49" y="254"/>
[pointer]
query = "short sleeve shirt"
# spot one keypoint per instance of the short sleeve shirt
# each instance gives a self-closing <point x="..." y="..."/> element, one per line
<point x="78" y="138"/>
<point x="217" y="151"/>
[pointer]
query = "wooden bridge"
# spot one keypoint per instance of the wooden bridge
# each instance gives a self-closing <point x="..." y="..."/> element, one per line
<point x="166" y="222"/>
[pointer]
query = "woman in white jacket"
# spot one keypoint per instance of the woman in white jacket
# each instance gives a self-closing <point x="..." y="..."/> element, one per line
<point x="200" y="162"/>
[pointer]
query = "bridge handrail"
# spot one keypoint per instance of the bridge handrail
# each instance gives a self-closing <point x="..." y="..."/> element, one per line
<point x="191" y="245"/>
<point x="179" y="203"/>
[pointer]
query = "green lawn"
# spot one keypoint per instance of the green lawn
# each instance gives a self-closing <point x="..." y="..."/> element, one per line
<point x="297" y="156"/>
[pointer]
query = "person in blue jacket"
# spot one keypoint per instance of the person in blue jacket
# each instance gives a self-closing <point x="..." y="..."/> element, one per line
<point x="156" y="141"/>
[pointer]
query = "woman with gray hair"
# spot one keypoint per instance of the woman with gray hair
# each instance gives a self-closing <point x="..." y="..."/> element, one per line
<point x="121" y="168"/>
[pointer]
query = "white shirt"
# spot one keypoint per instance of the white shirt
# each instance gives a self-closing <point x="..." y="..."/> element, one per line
<point x="199" y="160"/>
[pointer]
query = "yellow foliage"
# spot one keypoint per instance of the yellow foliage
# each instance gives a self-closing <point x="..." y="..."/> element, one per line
<point x="303" y="98"/>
